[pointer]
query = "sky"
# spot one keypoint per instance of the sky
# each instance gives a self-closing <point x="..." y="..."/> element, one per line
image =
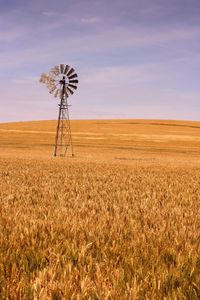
<point x="134" y="58"/>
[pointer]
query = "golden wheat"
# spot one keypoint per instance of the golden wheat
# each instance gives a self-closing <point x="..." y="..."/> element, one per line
<point x="120" y="228"/>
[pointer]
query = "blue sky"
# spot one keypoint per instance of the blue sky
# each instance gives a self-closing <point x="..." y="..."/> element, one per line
<point x="134" y="58"/>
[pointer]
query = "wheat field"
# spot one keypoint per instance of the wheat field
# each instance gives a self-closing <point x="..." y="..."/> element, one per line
<point x="120" y="220"/>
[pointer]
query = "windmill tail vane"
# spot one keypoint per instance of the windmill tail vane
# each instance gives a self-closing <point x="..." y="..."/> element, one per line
<point x="62" y="82"/>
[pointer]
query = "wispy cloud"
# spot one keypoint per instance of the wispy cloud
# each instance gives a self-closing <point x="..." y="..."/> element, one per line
<point x="49" y="13"/>
<point x="91" y="20"/>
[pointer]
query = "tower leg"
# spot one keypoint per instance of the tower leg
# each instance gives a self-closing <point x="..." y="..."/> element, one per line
<point x="57" y="130"/>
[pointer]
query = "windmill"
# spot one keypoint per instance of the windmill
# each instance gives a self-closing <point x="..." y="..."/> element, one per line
<point x="61" y="82"/>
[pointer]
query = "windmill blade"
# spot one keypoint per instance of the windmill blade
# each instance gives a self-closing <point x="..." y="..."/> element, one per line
<point x="57" y="68"/>
<point x="71" y="92"/>
<point x="72" y="86"/>
<point x="53" y="87"/>
<point x="44" y="77"/>
<point x="50" y="81"/>
<point x="66" y="69"/>
<point x="52" y="90"/>
<point x="50" y="85"/>
<point x="41" y="79"/>
<point x="73" y="76"/>
<point x="56" y="93"/>
<point x="47" y="80"/>
<point x="54" y="71"/>
<point x="73" y="81"/>
<point x="62" y="66"/>
<point x="70" y="72"/>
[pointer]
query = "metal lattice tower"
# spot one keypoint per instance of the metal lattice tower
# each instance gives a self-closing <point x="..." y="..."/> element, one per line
<point x="63" y="140"/>
<point x="62" y="81"/>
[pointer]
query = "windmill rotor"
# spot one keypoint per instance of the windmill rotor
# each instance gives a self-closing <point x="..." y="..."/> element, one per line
<point x="60" y="75"/>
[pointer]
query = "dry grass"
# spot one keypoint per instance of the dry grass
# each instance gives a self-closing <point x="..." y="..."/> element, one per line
<point x="119" y="221"/>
